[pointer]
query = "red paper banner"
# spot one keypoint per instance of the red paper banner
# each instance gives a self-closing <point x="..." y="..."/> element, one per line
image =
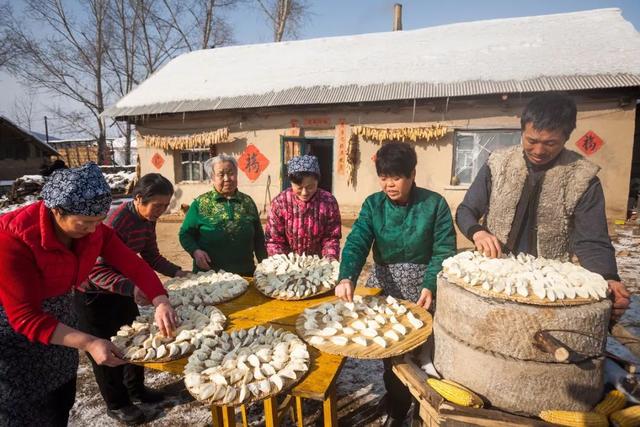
<point x="157" y="160"/>
<point x="590" y="143"/>
<point x="252" y="162"/>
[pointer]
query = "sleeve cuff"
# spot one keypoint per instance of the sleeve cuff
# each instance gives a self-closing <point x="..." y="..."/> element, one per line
<point x="612" y="276"/>
<point x="431" y="287"/>
<point x="474" y="229"/>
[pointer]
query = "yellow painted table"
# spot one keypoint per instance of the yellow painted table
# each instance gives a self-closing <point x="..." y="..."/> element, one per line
<point x="252" y="309"/>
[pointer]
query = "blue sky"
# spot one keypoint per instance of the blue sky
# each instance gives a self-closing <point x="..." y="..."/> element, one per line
<point x="343" y="17"/>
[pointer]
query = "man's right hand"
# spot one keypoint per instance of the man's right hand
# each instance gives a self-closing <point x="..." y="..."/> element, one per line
<point x="487" y="243"/>
<point x="202" y="259"/>
<point x="344" y="290"/>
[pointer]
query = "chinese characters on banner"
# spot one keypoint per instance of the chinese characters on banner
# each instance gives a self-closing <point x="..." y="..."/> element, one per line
<point x="341" y="133"/>
<point x="589" y="143"/>
<point x="294" y="130"/>
<point x="252" y="162"/>
<point x="157" y="160"/>
<point x="312" y="122"/>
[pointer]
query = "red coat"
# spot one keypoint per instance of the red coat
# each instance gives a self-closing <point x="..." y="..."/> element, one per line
<point x="35" y="266"/>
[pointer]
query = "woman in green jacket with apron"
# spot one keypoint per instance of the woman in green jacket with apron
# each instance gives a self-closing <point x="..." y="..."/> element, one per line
<point x="411" y="231"/>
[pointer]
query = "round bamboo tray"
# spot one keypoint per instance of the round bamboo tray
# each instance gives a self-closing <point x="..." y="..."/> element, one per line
<point x="177" y="356"/>
<point x="288" y="384"/>
<point x="531" y="299"/>
<point x="161" y="360"/>
<point x="261" y="287"/>
<point x="408" y="342"/>
<point x="175" y="286"/>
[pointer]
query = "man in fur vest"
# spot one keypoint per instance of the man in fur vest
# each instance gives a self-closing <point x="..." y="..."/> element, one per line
<point x="542" y="199"/>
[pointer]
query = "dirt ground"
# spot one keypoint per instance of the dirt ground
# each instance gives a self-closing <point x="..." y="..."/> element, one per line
<point x="360" y="386"/>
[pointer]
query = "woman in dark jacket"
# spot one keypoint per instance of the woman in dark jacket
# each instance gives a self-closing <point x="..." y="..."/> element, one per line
<point x="108" y="298"/>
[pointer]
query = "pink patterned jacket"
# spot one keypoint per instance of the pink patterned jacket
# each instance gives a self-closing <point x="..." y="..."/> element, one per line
<point x="311" y="227"/>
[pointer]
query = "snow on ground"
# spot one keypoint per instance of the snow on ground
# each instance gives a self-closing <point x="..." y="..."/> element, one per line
<point x="11" y="207"/>
<point x="119" y="181"/>
<point x="627" y="245"/>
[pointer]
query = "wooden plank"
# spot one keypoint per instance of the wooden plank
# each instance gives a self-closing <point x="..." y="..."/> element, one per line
<point x="216" y="416"/>
<point x="484" y="417"/>
<point x="627" y="338"/>
<point x="416" y="380"/>
<point x="245" y="417"/>
<point x="270" y="412"/>
<point x="330" y="409"/>
<point x="228" y="416"/>
<point x="299" y="413"/>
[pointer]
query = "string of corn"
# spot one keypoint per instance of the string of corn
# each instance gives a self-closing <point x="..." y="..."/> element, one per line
<point x="186" y="142"/>
<point x="413" y="134"/>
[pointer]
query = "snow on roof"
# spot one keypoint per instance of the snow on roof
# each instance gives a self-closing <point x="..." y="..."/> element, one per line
<point x="571" y="51"/>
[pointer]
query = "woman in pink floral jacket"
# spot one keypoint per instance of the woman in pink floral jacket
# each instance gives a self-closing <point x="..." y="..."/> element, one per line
<point x="304" y="218"/>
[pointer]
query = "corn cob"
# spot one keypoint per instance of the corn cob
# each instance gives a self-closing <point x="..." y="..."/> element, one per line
<point x="626" y="417"/>
<point x="575" y="419"/>
<point x="455" y="393"/>
<point x="614" y="401"/>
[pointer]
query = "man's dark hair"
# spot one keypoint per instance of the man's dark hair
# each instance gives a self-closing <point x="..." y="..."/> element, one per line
<point x="47" y="170"/>
<point x="550" y="111"/>
<point x="150" y="185"/>
<point x="297" y="177"/>
<point x="396" y="159"/>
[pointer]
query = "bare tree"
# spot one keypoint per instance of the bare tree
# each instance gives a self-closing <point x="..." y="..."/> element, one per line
<point x="69" y="60"/>
<point x="6" y="45"/>
<point x="285" y="16"/>
<point x="147" y="33"/>
<point x="98" y="53"/>
<point x="24" y="109"/>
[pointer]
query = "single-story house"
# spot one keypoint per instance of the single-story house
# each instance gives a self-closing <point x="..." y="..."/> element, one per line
<point x="454" y="91"/>
<point x="21" y="152"/>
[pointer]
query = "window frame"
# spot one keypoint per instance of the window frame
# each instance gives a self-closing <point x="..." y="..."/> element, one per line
<point x="201" y="161"/>
<point x="473" y="130"/>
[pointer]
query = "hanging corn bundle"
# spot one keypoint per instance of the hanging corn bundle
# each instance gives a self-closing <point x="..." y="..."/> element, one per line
<point x="413" y="134"/>
<point x="352" y="155"/>
<point x="188" y="142"/>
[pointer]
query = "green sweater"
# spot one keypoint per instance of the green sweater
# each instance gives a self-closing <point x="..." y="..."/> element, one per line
<point x="228" y="230"/>
<point x="419" y="233"/>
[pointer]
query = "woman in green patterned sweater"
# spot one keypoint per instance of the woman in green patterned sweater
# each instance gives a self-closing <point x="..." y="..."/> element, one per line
<point x="222" y="229"/>
<point x="411" y="231"/>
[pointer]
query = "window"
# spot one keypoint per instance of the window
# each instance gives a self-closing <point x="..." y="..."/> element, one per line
<point x="472" y="148"/>
<point x="193" y="165"/>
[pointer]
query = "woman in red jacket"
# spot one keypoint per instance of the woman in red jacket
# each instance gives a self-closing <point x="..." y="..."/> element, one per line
<point x="46" y="250"/>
